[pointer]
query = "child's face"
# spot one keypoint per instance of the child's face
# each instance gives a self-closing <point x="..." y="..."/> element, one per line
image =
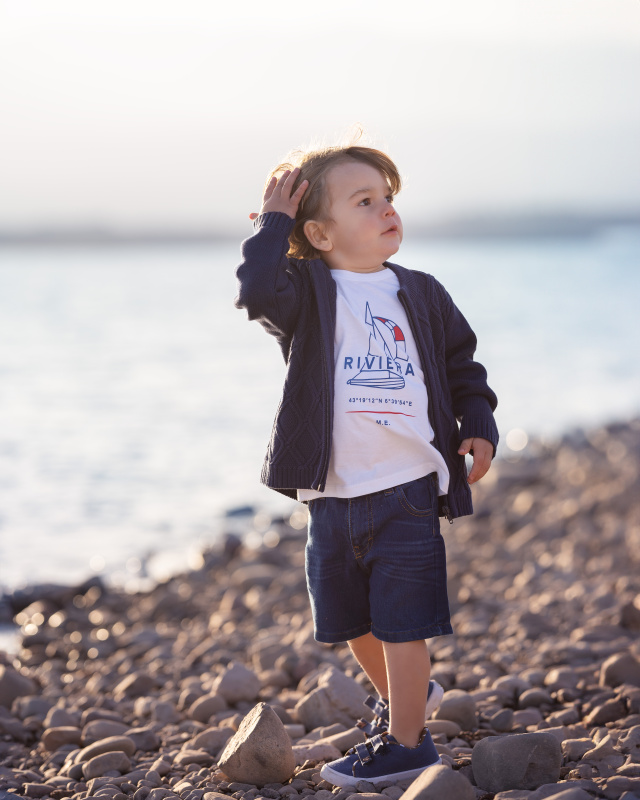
<point x="364" y="229"/>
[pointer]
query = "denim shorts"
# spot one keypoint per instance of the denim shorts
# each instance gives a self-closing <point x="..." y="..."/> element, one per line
<point x="377" y="563"/>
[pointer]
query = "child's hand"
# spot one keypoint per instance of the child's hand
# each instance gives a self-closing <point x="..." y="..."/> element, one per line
<point x="482" y="456"/>
<point x="278" y="197"/>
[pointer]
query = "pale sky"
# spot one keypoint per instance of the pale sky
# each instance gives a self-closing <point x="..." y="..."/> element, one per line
<point x="148" y="113"/>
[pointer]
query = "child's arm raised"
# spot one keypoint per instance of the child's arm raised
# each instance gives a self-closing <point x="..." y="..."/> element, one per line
<point x="278" y="196"/>
<point x="269" y="284"/>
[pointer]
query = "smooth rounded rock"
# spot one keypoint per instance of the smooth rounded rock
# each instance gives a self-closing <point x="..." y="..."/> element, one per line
<point x="93" y="713"/>
<point x="165" y="712"/>
<point x="206" y="707"/>
<point x="516" y="761"/>
<point x="617" y="784"/>
<point x="561" y="678"/>
<point x="511" y="684"/>
<point x="237" y="683"/>
<point x="112" y="743"/>
<point x="25" y="706"/>
<point x="630" y="615"/>
<point x="344" y="740"/>
<point x="609" y="711"/>
<point x="502" y="721"/>
<point x="115" y="761"/>
<point x="260" y="752"/>
<point x="12" y="685"/>
<point x="35" y="790"/>
<point x="526" y="717"/>
<point x="569" y="715"/>
<point x="144" y="738"/>
<point x="53" y="738"/>
<point x="134" y="685"/>
<point x="61" y="718"/>
<point x="459" y="707"/>
<point x="211" y="740"/>
<point x="534" y="697"/>
<point x="620" y="668"/>
<point x="574" y="749"/>
<point x="318" y="751"/>
<point x="440" y="782"/>
<point x="365" y="796"/>
<point x="575" y="793"/>
<point x="446" y="726"/>
<point x="102" y="729"/>
<point x="337" y="698"/>
<point x="201" y="757"/>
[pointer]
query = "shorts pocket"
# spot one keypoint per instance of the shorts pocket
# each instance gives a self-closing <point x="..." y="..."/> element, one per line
<point x="417" y="496"/>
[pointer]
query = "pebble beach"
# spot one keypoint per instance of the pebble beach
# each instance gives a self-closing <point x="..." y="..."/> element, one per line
<point x="210" y="685"/>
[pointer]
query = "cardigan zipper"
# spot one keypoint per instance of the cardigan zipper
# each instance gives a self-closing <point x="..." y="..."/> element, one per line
<point x="401" y="295"/>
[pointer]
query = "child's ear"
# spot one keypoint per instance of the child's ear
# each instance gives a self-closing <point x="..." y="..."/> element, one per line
<point x="317" y="235"/>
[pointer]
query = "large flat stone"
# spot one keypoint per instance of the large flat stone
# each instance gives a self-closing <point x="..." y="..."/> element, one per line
<point x="516" y="761"/>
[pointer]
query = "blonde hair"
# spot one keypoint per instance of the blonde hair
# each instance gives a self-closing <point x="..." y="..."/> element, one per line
<point x="314" y="166"/>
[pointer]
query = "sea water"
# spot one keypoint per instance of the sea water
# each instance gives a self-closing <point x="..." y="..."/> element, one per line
<point x="136" y="402"/>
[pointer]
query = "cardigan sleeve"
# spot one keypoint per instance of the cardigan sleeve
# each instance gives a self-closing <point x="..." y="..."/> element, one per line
<point x="473" y="400"/>
<point x="269" y="283"/>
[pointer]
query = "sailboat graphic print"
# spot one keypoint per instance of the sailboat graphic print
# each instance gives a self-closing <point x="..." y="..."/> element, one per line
<point x="387" y="337"/>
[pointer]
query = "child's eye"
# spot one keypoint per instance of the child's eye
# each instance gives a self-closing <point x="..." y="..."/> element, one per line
<point x="390" y="198"/>
<point x="365" y="202"/>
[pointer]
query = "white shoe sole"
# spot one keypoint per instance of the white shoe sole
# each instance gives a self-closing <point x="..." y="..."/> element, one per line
<point x="340" y="779"/>
<point x="437" y="693"/>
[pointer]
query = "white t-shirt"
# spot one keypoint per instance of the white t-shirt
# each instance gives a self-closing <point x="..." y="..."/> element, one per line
<point x="381" y="431"/>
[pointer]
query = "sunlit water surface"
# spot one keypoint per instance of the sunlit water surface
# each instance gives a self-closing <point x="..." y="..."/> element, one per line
<point x="136" y="402"/>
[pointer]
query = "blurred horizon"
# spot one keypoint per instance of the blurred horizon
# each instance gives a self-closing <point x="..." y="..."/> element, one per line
<point x="166" y="116"/>
<point x="561" y="224"/>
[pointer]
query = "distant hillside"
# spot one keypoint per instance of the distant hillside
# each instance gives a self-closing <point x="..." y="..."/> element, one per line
<point x="538" y="225"/>
<point x="471" y="226"/>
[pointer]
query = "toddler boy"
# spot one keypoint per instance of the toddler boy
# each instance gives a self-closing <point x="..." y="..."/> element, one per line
<point x="380" y="370"/>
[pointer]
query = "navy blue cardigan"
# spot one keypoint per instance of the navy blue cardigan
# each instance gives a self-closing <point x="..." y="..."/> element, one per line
<point x="295" y="301"/>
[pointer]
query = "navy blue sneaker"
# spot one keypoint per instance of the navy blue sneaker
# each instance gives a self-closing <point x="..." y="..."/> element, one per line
<point x="381" y="759"/>
<point x="380" y="708"/>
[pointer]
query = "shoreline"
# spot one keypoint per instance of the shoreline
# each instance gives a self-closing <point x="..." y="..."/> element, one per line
<point x="544" y="589"/>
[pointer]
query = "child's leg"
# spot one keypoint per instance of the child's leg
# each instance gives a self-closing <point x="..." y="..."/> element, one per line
<point x="369" y="653"/>
<point x="408" y="672"/>
<point x="400" y="673"/>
